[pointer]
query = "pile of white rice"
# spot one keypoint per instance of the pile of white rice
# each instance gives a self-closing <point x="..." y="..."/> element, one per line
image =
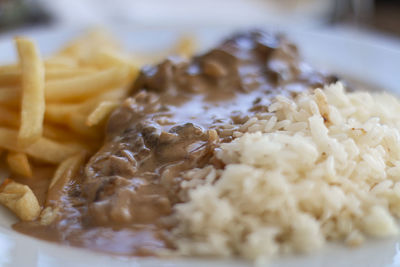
<point x="323" y="166"/>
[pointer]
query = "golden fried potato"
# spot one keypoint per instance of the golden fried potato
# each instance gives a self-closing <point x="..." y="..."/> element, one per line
<point x="19" y="163"/>
<point x="44" y="149"/>
<point x="82" y="87"/>
<point x="101" y="113"/>
<point x="33" y="101"/>
<point x="20" y="200"/>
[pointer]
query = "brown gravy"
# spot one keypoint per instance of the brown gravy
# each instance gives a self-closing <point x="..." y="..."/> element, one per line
<point x="173" y="122"/>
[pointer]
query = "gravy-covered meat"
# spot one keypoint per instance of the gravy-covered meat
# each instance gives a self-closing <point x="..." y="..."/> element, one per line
<point x="173" y="121"/>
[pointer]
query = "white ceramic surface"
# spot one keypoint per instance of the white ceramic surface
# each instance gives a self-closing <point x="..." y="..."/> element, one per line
<point x="363" y="58"/>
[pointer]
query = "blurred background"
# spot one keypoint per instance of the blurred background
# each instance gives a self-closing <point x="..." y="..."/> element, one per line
<point x="375" y="15"/>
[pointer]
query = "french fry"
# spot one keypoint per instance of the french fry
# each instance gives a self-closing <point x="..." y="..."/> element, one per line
<point x="186" y="46"/>
<point x="60" y="113"/>
<point x="33" y="101"/>
<point x="86" y="107"/>
<point x="116" y="95"/>
<point x="63" y="73"/>
<point x="83" y="47"/>
<point x="51" y="151"/>
<point x="10" y="95"/>
<point x="101" y="113"/>
<point x="60" y="62"/>
<point x="65" y="172"/>
<point x="10" y="74"/>
<point x="85" y="86"/>
<point x="88" y="146"/>
<point x="86" y="48"/>
<point x="10" y="77"/>
<point x="77" y="123"/>
<point x="9" y="68"/>
<point x="61" y="134"/>
<point x="19" y="164"/>
<point x="14" y="77"/>
<point x="44" y="149"/>
<point x="107" y="58"/>
<point x="48" y="215"/>
<point x="20" y="200"/>
<point x="9" y="117"/>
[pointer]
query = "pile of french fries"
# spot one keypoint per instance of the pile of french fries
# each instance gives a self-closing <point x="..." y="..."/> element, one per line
<point x="53" y="111"/>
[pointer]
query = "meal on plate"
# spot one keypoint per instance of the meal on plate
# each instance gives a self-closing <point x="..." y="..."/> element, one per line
<point x="243" y="151"/>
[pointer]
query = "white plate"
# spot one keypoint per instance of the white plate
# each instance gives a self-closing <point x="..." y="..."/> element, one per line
<point x="362" y="58"/>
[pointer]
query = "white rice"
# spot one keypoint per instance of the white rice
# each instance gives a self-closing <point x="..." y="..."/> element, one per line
<point x="292" y="182"/>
